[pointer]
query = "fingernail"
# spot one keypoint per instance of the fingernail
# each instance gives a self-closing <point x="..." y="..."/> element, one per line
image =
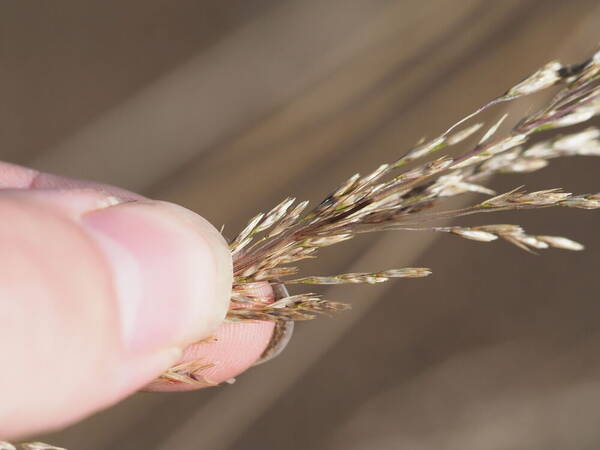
<point x="171" y="271"/>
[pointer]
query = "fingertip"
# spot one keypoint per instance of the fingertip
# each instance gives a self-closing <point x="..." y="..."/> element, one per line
<point x="172" y="272"/>
<point x="232" y="349"/>
<point x="235" y="348"/>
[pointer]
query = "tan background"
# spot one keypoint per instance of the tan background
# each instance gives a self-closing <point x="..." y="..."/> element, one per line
<point x="226" y="107"/>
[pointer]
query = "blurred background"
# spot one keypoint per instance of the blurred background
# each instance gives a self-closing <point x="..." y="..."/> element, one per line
<point x="227" y="107"/>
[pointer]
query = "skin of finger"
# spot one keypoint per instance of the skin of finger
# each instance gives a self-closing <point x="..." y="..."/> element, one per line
<point x="231" y="350"/>
<point x="13" y="176"/>
<point x="56" y="322"/>
<point x="237" y="346"/>
<point x="60" y="330"/>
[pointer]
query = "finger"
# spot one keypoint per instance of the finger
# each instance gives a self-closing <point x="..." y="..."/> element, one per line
<point x="234" y="347"/>
<point x="13" y="176"/>
<point x="231" y="349"/>
<point x="98" y="300"/>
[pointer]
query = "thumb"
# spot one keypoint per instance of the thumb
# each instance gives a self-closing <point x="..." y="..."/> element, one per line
<point x="97" y="298"/>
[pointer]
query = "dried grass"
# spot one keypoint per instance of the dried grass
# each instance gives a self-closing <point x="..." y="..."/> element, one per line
<point x="391" y="198"/>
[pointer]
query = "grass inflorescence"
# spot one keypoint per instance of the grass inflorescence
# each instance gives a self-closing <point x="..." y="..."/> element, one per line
<point x="395" y="197"/>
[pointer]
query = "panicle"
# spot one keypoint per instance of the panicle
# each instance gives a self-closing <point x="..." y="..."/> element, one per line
<point x="380" y="200"/>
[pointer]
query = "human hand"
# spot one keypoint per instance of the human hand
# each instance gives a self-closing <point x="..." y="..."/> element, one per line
<point x="101" y="291"/>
